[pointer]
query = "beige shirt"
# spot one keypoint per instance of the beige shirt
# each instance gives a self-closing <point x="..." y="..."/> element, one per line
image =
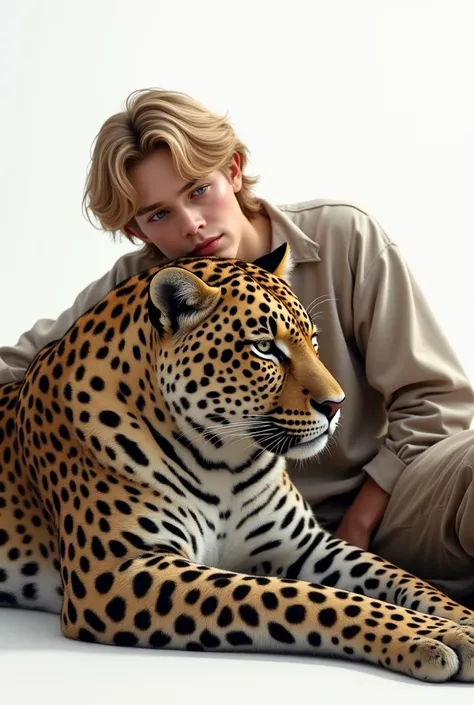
<point x="405" y="389"/>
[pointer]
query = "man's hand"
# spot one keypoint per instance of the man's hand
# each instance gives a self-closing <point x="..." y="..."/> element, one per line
<point x="364" y="515"/>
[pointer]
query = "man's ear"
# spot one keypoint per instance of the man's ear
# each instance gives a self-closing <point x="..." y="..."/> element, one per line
<point x="279" y="262"/>
<point x="178" y="300"/>
<point x="235" y="172"/>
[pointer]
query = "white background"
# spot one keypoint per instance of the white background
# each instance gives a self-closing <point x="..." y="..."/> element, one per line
<point x="370" y="101"/>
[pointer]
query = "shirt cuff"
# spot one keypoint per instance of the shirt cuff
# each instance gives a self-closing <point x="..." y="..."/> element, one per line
<point x="385" y="469"/>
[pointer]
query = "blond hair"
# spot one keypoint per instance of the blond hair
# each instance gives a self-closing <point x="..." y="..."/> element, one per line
<point x="200" y="142"/>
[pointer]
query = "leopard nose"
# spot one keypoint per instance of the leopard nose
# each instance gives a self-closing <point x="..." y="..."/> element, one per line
<point x="328" y="407"/>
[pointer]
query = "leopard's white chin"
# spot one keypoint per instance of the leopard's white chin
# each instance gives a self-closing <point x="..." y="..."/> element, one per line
<point x="308" y="449"/>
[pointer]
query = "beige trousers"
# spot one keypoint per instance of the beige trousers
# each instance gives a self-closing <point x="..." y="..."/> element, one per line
<point x="428" y="526"/>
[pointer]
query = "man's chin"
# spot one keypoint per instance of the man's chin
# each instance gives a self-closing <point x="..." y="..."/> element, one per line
<point x="226" y="250"/>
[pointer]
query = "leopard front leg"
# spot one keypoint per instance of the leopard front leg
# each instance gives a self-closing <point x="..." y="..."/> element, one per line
<point x="163" y="601"/>
<point x="287" y="541"/>
<point x="335" y="562"/>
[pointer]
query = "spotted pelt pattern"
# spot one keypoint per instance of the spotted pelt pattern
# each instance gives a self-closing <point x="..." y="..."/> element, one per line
<point x="143" y="490"/>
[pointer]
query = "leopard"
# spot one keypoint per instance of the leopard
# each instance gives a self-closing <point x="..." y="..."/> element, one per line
<point x="145" y="493"/>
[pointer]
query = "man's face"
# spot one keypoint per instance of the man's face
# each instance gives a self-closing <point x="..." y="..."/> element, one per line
<point x="179" y="216"/>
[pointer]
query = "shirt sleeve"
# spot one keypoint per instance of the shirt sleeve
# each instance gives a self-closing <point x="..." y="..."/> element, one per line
<point x="408" y="358"/>
<point x="15" y="360"/>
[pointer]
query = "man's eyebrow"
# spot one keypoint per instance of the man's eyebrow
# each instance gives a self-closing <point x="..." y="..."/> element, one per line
<point x="157" y="206"/>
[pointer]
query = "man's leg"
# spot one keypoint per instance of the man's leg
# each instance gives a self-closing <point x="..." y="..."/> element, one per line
<point x="428" y="527"/>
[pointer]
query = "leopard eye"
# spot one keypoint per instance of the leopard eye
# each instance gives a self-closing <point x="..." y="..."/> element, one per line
<point x="263" y="346"/>
<point x="268" y="350"/>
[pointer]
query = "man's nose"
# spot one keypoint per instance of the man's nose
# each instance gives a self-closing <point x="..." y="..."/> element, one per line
<point x="192" y="223"/>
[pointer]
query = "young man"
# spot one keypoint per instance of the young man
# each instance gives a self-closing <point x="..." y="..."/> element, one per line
<point x="169" y="174"/>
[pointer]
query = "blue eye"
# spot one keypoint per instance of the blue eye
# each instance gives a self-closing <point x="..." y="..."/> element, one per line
<point x="159" y="215"/>
<point x="200" y="190"/>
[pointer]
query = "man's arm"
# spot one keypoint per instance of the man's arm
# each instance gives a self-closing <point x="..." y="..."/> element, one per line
<point x="409" y="360"/>
<point x="364" y="515"/>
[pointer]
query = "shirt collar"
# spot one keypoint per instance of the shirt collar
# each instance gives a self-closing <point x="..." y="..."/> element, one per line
<point x="303" y="249"/>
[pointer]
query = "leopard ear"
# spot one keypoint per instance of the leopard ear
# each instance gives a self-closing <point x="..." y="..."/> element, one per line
<point x="279" y="262"/>
<point x="178" y="300"/>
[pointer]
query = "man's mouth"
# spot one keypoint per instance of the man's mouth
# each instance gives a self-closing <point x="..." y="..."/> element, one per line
<point x="206" y="247"/>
